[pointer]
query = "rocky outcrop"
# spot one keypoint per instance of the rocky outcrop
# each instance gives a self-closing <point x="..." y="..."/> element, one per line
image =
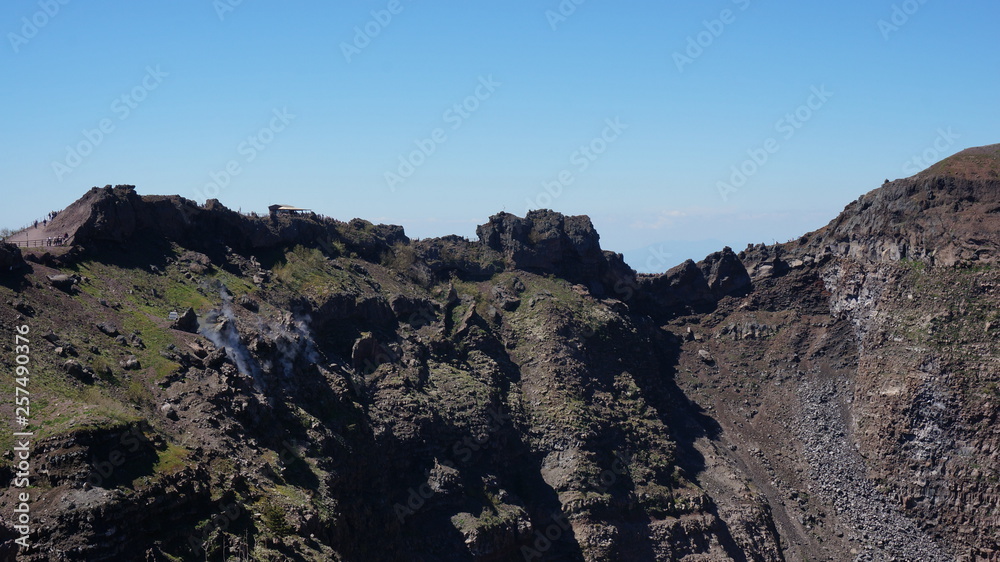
<point x="186" y="322"/>
<point x="119" y="215"/>
<point x="10" y="258"/>
<point x="695" y="287"/>
<point x="545" y="241"/>
<point x="725" y="274"/>
<point x="921" y="401"/>
<point x="65" y="283"/>
<point x="939" y="221"/>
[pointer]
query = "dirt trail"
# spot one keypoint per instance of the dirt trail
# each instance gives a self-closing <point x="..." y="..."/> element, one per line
<point x="65" y="223"/>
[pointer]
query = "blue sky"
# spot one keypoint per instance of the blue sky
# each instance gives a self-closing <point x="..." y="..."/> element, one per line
<point x="677" y="127"/>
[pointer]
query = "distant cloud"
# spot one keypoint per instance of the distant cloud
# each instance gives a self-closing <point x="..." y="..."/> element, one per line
<point x="664" y="219"/>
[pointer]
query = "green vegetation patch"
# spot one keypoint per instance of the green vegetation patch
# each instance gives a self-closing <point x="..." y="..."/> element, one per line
<point x="308" y="271"/>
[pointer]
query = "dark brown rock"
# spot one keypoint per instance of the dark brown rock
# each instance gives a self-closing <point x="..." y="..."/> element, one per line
<point x="545" y="241"/>
<point x="64" y="283"/>
<point x="187" y="322"/>
<point x="78" y="371"/>
<point x="725" y="274"/>
<point x="10" y="258"/>
<point x="367" y="354"/>
<point x="130" y="363"/>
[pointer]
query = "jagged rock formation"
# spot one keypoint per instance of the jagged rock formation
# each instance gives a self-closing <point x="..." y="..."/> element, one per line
<point x="335" y="391"/>
<point x="10" y="257"/>
<point x="691" y="287"/>
<point x="120" y="215"/>
<point x="548" y="242"/>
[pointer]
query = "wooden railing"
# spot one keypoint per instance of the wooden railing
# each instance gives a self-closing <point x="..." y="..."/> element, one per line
<point x="34" y="243"/>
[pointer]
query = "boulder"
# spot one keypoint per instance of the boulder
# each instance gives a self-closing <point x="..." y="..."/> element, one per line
<point x="367" y="353"/>
<point x="506" y="300"/>
<point x="130" y="363"/>
<point x="415" y="311"/>
<point x="74" y="369"/>
<point x="187" y="322"/>
<point x="10" y="258"/>
<point x="725" y="274"/>
<point x="23" y="307"/>
<point x="64" y="283"/>
<point x="108" y="329"/>
<point x="169" y="412"/>
<point x="248" y="303"/>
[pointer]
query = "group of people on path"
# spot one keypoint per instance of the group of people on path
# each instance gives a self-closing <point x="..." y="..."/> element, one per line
<point x="45" y="221"/>
<point x="56" y="240"/>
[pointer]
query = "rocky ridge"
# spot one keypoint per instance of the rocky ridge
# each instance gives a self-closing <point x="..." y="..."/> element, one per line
<point x="335" y="391"/>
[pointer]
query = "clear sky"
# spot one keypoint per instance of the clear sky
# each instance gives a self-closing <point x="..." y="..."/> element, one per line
<point x="678" y="127"/>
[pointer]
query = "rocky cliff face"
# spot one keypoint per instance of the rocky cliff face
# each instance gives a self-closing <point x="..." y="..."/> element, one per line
<point x="946" y="215"/>
<point x="549" y="243"/>
<point x="338" y="392"/>
<point x="119" y="215"/>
